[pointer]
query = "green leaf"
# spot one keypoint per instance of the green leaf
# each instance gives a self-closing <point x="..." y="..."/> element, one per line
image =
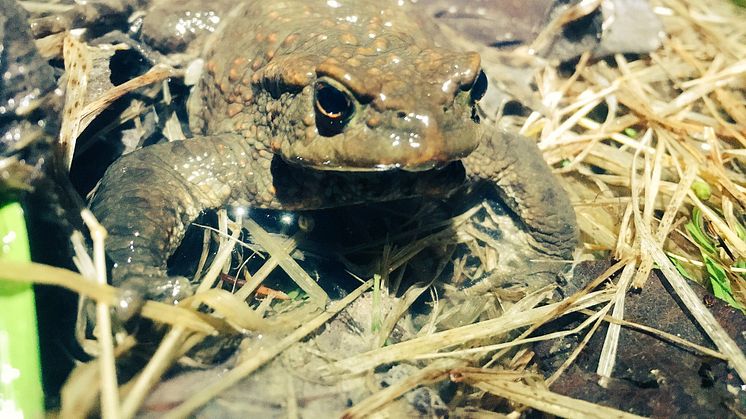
<point x="740" y="231"/>
<point x="720" y="283"/>
<point x="695" y="227"/>
<point x="21" y="392"/>
<point x="376" y="318"/>
<point x="702" y="189"/>
<point x="682" y="270"/>
<point x="631" y="132"/>
<point x="741" y="264"/>
<point x="296" y="294"/>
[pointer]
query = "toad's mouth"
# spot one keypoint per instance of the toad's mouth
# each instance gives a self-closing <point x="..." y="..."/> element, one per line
<point x="351" y="153"/>
<point x="391" y="167"/>
<point x="312" y="188"/>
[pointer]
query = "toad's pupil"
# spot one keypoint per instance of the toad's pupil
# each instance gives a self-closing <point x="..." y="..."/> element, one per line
<point x="331" y="102"/>
<point x="479" y="88"/>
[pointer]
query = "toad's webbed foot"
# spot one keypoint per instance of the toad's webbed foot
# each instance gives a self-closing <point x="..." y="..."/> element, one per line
<point x="528" y="187"/>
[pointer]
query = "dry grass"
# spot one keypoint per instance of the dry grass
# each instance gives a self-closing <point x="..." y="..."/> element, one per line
<point x="671" y="140"/>
<point x="670" y="143"/>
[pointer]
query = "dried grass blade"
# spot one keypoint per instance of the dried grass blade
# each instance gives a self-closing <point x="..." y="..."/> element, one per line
<point x="716" y="157"/>
<point x="623" y="249"/>
<point x="189" y="319"/>
<point x="734" y="70"/>
<point x="459" y="335"/>
<point x="49" y="275"/>
<point x="687" y="97"/>
<point x="618" y="137"/>
<point x="397" y="312"/>
<point x="652" y="181"/>
<point x="81" y="389"/>
<point x="77" y="67"/>
<point x="611" y="341"/>
<point x="109" y="389"/>
<point x="91" y="110"/>
<point x="550" y="402"/>
<point x="569" y="123"/>
<point x="224" y="252"/>
<point x="51" y="46"/>
<point x="515" y="342"/>
<point x="590" y="225"/>
<point x="598" y="319"/>
<point x="663" y="335"/>
<point x="673" y="207"/>
<point x="171" y="346"/>
<point x="232" y="309"/>
<point x="251" y="284"/>
<point x="315" y="292"/>
<point x="734" y="106"/>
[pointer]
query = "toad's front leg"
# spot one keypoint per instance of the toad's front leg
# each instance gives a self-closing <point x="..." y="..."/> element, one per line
<point x="148" y="198"/>
<point x="528" y="187"/>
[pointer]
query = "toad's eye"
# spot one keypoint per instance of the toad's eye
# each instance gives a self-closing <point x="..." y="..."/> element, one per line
<point x="479" y="88"/>
<point x="333" y="109"/>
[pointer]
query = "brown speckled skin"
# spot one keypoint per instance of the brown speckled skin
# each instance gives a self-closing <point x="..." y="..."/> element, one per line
<point x="259" y="143"/>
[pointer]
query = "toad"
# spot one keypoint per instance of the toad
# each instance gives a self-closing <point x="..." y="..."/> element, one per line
<point x="314" y="104"/>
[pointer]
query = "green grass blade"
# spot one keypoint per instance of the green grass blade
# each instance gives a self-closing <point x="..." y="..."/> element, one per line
<point x="20" y="378"/>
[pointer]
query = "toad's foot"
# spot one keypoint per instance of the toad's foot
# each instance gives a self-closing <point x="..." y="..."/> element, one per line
<point x="138" y="283"/>
<point x="527" y="186"/>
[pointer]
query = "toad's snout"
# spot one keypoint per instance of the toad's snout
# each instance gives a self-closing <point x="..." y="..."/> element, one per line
<point x="421" y="141"/>
<point x="416" y="141"/>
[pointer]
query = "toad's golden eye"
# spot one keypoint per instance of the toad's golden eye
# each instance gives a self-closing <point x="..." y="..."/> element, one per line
<point x="334" y="108"/>
<point x="479" y="88"/>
